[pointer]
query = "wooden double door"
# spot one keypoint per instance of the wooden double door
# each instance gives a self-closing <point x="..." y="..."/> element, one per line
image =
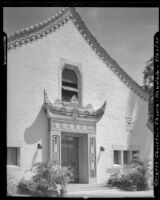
<point x="70" y="156"/>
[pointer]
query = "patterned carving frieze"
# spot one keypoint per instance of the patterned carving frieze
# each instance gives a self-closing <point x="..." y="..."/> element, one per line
<point x="55" y="148"/>
<point x="37" y="31"/>
<point x="92" y="157"/>
<point x="72" y="111"/>
<point x="73" y="105"/>
<point x="71" y="127"/>
<point x="129" y="125"/>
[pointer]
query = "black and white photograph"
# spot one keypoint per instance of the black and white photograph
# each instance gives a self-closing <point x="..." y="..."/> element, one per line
<point x="80" y="101"/>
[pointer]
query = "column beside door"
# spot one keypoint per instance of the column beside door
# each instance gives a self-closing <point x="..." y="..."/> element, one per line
<point x="92" y="158"/>
<point x="55" y="147"/>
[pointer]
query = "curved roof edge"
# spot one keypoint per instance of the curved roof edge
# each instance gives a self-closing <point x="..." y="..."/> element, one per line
<point x="40" y="30"/>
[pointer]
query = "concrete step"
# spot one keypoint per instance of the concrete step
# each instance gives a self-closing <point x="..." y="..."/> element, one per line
<point x="83" y="187"/>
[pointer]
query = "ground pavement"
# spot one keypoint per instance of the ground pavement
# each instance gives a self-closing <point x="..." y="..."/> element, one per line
<point x="105" y="192"/>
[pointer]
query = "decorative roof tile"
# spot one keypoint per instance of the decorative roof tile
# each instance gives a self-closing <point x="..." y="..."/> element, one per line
<point x="46" y="27"/>
<point x="69" y="109"/>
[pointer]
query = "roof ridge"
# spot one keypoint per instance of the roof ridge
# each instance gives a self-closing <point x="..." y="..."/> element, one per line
<point x="30" y="29"/>
<point x="113" y="64"/>
<point x="43" y="28"/>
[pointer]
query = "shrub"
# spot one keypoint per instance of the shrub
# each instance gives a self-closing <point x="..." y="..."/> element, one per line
<point x="125" y="182"/>
<point x="150" y="173"/>
<point x="114" y="179"/>
<point x="135" y="174"/>
<point x="11" y="186"/>
<point x="48" y="177"/>
<point x="26" y="186"/>
<point x="141" y="174"/>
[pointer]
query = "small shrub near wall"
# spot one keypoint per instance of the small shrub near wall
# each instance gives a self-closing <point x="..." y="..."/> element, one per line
<point x="150" y="174"/>
<point x="136" y="175"/>
<point x="26" y="186"/>
<point x="11" y="186"/>
<point x="114" y="179"/>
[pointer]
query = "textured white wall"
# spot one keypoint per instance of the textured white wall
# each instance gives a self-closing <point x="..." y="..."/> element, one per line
<point x="37" y="66"/>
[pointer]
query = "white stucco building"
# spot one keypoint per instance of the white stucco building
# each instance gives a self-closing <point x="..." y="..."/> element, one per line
<point x="68" y="99"/>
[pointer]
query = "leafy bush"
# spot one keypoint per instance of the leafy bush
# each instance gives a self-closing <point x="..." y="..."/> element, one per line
<point x="48" y="177"/>
<point x="150" y="173"/>
<point x="135" y="174"/>
<point x="11" y="186"/>
<point x="26" y="186"/>
<point x="114" y="179"/>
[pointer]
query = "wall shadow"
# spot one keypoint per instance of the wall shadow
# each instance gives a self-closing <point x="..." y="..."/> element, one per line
<point x="140" y="135"/>
<point x="98" y="157"/>
<point x="38" y="133"/>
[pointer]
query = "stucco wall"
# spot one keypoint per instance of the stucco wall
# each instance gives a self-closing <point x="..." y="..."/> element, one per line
<point x="37" y="66"/>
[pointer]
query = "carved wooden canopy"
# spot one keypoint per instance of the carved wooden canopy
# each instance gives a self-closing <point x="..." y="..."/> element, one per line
<point x="72" y="111"/>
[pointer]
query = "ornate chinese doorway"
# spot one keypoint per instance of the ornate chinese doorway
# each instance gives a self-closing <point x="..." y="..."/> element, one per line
<point x="70" y="156"/>
<point x="72" y="129"/>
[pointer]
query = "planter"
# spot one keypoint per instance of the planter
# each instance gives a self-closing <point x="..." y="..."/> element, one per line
<point x="51" y="193"/>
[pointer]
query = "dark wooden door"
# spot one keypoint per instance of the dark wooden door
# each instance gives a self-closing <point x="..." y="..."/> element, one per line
<point x="70" y="156"/>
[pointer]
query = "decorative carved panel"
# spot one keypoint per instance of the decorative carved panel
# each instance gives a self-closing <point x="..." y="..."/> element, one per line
<point x="129" y="125"/>
<point x="92" y="156"/>
<point x="64" y="126"/>
<point x="72" y="111"/>
<point x="55" y="154"/>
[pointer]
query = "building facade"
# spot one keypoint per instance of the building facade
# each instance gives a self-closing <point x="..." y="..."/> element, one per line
<point x="68" y="100"/>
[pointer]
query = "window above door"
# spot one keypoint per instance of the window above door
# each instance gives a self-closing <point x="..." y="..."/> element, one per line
<point x="71" y="83"/>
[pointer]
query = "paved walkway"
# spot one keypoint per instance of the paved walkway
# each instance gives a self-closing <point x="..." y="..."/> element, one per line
<point x="105" y="192"/>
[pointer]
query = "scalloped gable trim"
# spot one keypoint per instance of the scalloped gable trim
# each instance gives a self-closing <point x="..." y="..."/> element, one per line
<point x="38" y="30"/>
<point x="52" y="24"/>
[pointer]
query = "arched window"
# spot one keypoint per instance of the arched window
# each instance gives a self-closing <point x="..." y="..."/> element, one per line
<point x="70" y="85"/>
